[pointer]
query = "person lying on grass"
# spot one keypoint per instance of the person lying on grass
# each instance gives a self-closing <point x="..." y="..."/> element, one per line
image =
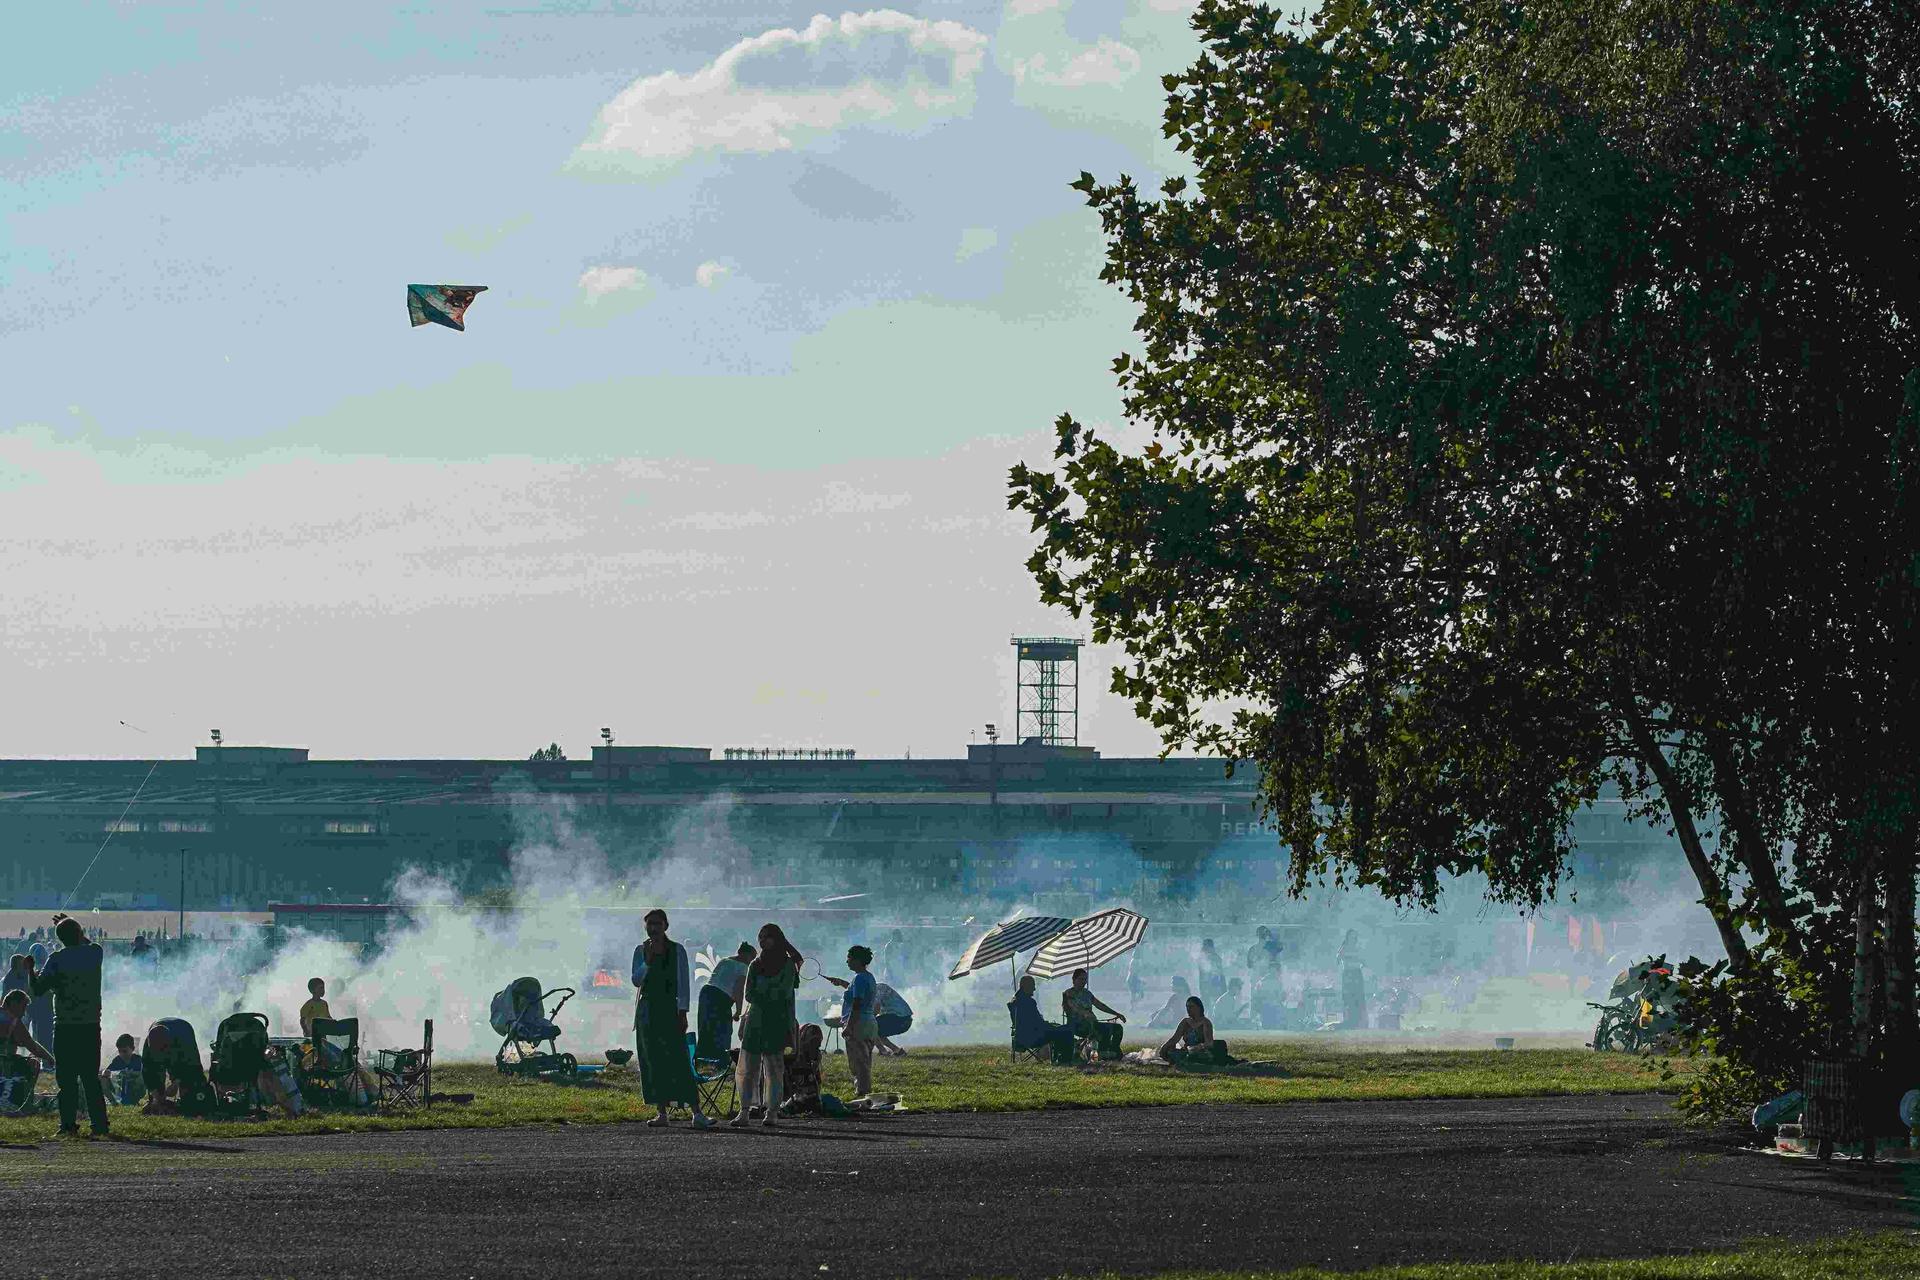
<point x="1192" y="1042"/>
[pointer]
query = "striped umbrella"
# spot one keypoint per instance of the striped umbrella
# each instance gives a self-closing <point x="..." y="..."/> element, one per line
<point x="1006" y="940"/>
<point x="1089" y="943"/>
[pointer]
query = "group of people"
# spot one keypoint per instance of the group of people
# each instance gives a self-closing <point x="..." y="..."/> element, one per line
<point x="1193" y="1040"/>
<point x="755" y="990"/>
<point x="70" y="979"/>
<point x="165" y="1070"/>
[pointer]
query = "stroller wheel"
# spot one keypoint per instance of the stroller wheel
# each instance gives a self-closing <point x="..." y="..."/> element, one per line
<point x="569" y="1065"/>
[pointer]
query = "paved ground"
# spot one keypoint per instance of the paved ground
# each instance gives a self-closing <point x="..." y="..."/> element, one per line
<point x="1136" y="1191"/>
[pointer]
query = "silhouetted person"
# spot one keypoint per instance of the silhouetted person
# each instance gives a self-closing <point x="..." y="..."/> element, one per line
<point x="72" y="978"/>
<point x="661" y="976"/>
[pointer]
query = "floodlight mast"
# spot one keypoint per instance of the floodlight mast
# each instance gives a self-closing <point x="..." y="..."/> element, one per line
<point x="1046" y="705"/>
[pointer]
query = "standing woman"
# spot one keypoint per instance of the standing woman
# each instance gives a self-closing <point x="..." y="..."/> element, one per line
<point x="660" y="972"/>
<point x="772" y="979"/>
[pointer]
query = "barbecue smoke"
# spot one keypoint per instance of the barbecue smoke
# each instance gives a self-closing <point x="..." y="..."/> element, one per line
<point x="569" y="903"/>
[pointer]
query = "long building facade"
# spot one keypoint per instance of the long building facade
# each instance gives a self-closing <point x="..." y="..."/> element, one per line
<point x="238" y="828"/>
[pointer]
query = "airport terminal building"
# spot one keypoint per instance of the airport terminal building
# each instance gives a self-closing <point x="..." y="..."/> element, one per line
<point x="238" y="828"/>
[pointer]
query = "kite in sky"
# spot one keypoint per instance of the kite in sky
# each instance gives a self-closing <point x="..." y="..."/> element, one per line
<point x="441" y="303"/>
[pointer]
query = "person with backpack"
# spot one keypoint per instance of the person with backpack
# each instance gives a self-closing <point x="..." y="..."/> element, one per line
<point x="71" y="976"/>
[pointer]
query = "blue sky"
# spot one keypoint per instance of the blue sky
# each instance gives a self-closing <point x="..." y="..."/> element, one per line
<point x="774" y="300"/>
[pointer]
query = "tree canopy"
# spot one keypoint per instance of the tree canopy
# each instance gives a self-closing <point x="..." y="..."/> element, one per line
<point x="1534" y="391"/>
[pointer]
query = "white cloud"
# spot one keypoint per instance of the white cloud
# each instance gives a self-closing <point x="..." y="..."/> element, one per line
<point x="709" y="274"/>
<point x="975" y="241"/>
<point x="1027" y="8"/>
<point x="1106" y="63"/>
<point x="728" y="105"/>
<point x="598" y="283"/>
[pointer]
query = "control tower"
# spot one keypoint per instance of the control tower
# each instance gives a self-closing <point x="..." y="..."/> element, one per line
<point x="1046" y="695"/>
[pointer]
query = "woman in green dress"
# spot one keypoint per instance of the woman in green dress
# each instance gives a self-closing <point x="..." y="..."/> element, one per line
<point x="765" y="1031"/>
<point x="660" y="973"/>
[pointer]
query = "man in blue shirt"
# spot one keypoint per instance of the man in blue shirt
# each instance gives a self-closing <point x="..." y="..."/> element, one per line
<point x="72" y="978"/>
<point x="859" y="1022"/>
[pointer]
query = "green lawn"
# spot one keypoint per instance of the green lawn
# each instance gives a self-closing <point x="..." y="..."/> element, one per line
<point x="1886" y="1257"/>
<point x="976" y="1078"/>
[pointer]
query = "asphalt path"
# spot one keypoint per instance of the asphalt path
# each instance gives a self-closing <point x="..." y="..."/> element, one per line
<point x="1048" y="1194"/>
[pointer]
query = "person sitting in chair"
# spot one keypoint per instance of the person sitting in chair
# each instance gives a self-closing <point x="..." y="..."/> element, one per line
<point x="1192" y="1042"/>
<point x="1030" y="1030"/>
<point x="18" y="1072"/>
<point x="170" y="1064"/>
<point x="124" y="1076"/>
<point x="1078" y="1003"/>
<point x="315" y="1007"/>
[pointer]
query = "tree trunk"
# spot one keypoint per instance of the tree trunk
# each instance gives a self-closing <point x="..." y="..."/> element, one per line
<point x="1903" y="1032"/>
<point x="1866" y="914"/>
<point x="1751" y="847"/>
<point x="1713" y="891"/>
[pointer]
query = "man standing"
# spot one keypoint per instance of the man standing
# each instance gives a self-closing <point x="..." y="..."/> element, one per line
<point x="72" y="978"/>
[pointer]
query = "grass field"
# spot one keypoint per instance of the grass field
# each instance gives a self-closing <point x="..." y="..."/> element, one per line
<point x="1886" y="1257"/>
<point x="977" y="1078"/>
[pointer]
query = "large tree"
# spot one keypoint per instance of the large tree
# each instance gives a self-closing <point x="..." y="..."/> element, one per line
<point x="1534" y="397"/>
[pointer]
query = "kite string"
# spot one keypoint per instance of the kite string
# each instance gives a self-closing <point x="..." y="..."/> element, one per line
<point x="110" y="832"/>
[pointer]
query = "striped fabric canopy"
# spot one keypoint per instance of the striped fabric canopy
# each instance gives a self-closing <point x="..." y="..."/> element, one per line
<point x="1006" y="940"/>
<point x="1089" y="943"/>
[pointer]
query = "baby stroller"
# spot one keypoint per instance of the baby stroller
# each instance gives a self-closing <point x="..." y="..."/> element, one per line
<point x="521" y="1018"/>
<point x="240" y="1053"/>
<point x="803" y="1073"/>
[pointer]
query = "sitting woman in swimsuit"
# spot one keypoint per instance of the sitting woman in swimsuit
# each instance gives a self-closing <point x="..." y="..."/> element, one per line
<point x="1193" y="1041"/>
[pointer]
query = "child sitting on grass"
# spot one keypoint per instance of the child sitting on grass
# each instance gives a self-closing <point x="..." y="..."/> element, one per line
<point x="124" y="1076"/>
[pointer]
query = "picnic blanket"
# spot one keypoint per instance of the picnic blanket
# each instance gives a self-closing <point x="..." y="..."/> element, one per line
<point x="1237" y="1067"/>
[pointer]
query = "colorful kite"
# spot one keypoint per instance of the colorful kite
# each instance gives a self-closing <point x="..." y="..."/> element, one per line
<point x="441" y="303"/>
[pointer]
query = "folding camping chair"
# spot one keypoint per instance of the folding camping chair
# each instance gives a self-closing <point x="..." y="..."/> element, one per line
<point x="1041" y="1053"/>
<point x="330" y="1075"/>
<point x="405" y="1076"/>
<point x="714" y="1080"/>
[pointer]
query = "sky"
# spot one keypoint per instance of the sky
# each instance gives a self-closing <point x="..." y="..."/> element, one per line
<point x="775" y="298"/>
